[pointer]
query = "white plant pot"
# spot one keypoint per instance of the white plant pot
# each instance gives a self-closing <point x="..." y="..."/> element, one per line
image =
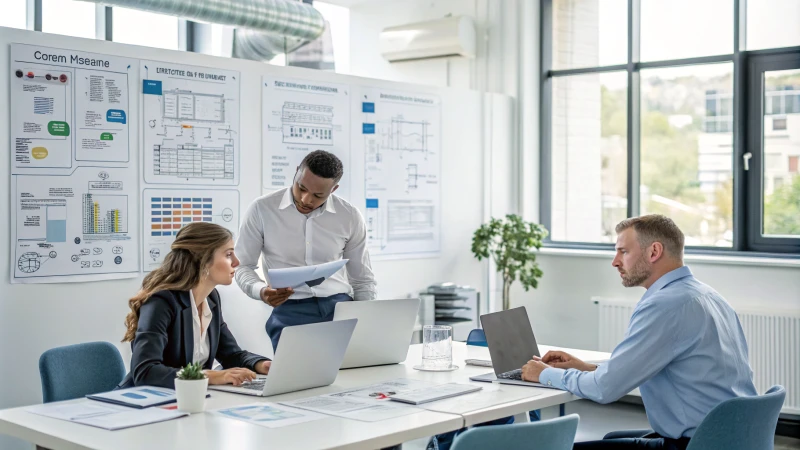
<point x="191" y="395"/>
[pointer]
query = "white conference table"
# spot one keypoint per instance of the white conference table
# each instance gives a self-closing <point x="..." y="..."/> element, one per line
<point x="214" y="432"/>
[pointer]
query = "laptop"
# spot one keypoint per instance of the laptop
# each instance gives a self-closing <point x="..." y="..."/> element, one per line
<point x="308" y="356"/>
<point x="383" y="333"/>
<point x="511" y="345"/>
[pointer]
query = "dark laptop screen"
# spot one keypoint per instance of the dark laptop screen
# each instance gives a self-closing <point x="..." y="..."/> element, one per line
<point x="510" y="339"/>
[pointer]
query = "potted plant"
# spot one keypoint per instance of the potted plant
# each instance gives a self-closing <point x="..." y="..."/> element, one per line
<point x="510" y="243"/>
<point x="191" y="385"/>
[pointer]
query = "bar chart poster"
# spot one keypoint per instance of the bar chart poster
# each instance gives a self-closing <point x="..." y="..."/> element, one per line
<point x="166" y="211"/>
<point x="80" y="227"/>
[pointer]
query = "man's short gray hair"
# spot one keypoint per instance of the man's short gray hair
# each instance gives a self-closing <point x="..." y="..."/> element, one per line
<point x="656" y="228"/>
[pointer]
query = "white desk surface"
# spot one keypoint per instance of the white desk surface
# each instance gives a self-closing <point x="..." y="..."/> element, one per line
<point x="210" y="431"/>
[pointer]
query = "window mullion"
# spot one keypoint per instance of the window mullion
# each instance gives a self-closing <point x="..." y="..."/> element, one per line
<point x="634" y="45"/>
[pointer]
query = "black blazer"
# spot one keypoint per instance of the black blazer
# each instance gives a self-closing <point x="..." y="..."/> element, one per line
<point x="164" y="340"/>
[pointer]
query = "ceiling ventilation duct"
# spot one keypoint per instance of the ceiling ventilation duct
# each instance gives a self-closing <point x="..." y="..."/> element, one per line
<point x="264" y="27"/>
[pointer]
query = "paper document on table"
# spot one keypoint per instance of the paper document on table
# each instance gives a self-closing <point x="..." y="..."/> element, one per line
<point x="432" y="394"/>
<point x="137" y="397"/>
<point x="270" y="415"/>
<point x="383" y="391"/>
<point x="295" y="277"/>
<point x="109" y="417"/>
<point x="353" y="408"/>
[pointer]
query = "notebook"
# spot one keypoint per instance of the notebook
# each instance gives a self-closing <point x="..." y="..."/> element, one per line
<point x="137" y="397"/>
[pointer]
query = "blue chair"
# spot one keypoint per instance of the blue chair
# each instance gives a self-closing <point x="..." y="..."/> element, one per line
<point x="75" y="371"/>
<point x="477" y="338"/>
<point x="555" y="434"/>
<point x="742" y="423"/>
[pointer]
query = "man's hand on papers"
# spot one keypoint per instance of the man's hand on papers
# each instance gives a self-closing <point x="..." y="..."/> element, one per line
<point x="275" y="297"/>
<point x="563" y="360"/>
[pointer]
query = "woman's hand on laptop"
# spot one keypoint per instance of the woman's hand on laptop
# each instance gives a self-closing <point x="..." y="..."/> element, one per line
<point x="262" y="366"/>
<point x="235" y="376"/>
<point x="563" y="360"/>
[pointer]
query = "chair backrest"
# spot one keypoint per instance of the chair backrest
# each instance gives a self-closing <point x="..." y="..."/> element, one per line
<point x="742" y="423"/>
<point x="554" y="434"/>
<point x="77" y="370"/>
<point x="477" y="338"/>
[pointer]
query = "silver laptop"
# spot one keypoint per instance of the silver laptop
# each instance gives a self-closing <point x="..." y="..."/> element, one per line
<point x="511" y="345"/>
<point x="308" y="356"/>
<point x="383" y="333"/>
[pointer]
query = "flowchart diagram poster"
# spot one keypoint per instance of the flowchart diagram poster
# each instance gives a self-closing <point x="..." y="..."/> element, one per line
<point x="191" y="124"/>
<point x="400" y="141"/>
<point x="72" y="188"/>
<point x="166" y="211"/>
<point x="80" y="227"/>
<point x="301" y="116"/>
<point x="66" y="107"/>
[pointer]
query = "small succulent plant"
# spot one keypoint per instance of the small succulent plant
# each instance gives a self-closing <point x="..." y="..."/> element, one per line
<point x="192" y="371"/>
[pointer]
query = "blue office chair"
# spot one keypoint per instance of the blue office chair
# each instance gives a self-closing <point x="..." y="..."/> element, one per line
<point x="742" y="423"/>
<point x="75" y="371"/>
<point x="477" y="338"/>
<point x="555" y="434"/>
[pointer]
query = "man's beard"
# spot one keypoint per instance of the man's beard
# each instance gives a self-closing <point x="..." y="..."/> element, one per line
<point x="637" y="274"/>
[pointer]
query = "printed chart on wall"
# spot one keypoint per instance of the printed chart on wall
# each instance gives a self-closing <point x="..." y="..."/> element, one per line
<point x="166" y="211"/>
<point x="191" y="124"/>
<point x="400" y="137"/>
<point x="72" y="187"/>
<point x="301" y="116"/>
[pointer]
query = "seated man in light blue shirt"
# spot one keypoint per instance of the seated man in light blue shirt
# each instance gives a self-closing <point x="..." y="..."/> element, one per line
<point x="684" y="348"/>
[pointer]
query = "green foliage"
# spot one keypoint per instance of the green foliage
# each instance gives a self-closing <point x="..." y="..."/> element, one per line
<point x="509" y="242"/>
<point x="782" y="210"/>
<point x="192" y="371"/>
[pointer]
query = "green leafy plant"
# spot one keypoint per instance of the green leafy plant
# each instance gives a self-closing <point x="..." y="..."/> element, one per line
<point x="510" y="243"/>
<point x="192" y="371"/>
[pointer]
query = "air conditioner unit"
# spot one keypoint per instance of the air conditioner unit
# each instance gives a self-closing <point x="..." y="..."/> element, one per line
<point x="441" y="38"/>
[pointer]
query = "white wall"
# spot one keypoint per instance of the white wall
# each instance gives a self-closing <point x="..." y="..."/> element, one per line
<point x="34" y="318"/>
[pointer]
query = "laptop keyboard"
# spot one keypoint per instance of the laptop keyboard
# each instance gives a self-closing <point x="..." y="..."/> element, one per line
<point x="255" y="385"/>
<point x="512" y="375"/>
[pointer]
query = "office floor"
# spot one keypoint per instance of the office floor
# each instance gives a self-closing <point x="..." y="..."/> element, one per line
<point x="597" y="420"/>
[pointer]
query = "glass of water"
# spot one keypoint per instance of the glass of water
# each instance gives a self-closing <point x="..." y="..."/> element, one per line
<point x="437" y="347"/>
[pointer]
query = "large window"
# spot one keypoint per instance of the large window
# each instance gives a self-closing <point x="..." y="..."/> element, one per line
<point x="69" y="18"/>
<point x="662" y="106"/>
<point x="136" y="27"/>
<point x="14" y="14"/>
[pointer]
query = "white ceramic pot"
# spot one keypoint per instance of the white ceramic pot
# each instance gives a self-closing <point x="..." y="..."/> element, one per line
<point x="191" y="395"/>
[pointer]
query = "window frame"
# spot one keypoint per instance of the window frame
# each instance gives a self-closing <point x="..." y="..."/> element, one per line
<point x="744" y="189"/>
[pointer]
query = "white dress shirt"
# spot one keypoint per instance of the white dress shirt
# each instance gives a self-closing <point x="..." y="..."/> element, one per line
<point x="202" y="345"/>
<point x="274" y="229"/>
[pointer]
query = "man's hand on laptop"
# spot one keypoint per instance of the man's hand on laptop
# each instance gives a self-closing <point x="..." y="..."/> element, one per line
<point x="275" y="297"/>
<point x="263" y="366"/>
<point x="563" y="360"/>
<point x="235" y="376"/>
<point x="532" y="370"/>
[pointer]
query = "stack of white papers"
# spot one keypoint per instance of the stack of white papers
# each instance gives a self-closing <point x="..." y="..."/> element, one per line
<point x="269" y="415"/>
<point x="109" y="417"/>
<point x="295" y="277"/>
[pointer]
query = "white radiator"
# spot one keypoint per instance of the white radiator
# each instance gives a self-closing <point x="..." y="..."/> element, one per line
<point x="773" y="340"/>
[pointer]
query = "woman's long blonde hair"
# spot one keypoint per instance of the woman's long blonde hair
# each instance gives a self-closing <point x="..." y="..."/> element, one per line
<point x="183" y="267"/>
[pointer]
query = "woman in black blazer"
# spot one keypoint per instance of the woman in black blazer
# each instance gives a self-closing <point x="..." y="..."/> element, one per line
<point x="162" y="324"/>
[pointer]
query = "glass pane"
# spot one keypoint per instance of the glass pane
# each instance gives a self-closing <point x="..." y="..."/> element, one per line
<point x="589" y="33"/>
<point x="14" y="14"/>
<point x="772" y="24"/>
<point x="69" y="18"/>
<point x="781" y="186"/>
<point x="338" y="18"/>
<point x="676" y="29"/>
<point x="686" y="150"/>
<point x="144" y="28"/>
<point x="589" y="156"/>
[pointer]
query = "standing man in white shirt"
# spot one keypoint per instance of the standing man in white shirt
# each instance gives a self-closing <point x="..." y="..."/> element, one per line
<point x="302" y="226"/>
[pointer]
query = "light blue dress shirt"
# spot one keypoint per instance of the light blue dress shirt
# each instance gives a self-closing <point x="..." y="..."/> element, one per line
<point x="684" y="349"/>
